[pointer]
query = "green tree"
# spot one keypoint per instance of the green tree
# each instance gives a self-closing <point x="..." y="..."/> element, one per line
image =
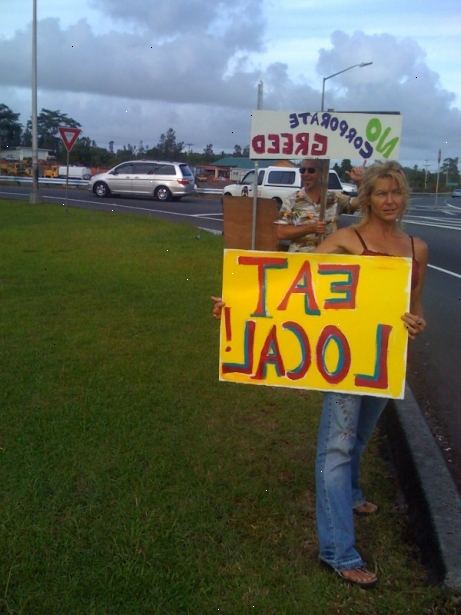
<point x="86" y="152"/>
<point x="48" y="123"/>
<point x="26" y="137"/>
<point x="10" y="127"/>
<point x="449" y="170"/>
<point x="127" y="153"/>
<point x="237" y="151"/>
<point x="167" y="147"/>
<point x="208" y="153"/>
<point x="344" y="169"/>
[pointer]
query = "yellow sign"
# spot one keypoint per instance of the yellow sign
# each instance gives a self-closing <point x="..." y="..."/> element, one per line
<point x="315" y="321"/>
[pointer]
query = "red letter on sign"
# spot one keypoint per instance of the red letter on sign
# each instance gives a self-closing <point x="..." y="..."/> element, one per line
<point x="287" y="147"/>
<point x="328" y="335"/>
<point x="347" y="287"/>
<point x="258" y="143"/>
<point x="270" y="354"/>
<point x="300" y="370"/>
<point x="320" y="145"/>
<point x="248" y="343"/>
<point x="302" y="144"/>
<point x="303" y="284"/>
<point x="263" y="263"/>
<point x="379" y="379"/>
<point x="274" y="148"/>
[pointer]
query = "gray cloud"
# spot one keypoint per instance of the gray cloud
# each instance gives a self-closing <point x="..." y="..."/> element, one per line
<point x="189" y="69"/>
<point x="398" y="80"/>
<point x="240" y="22"/>
<point x="201" y="79"/>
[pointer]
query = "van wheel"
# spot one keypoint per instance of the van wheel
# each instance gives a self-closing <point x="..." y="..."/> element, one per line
<point x="277" y="200"/>
<point x="162" y="193"/>
<point x="227" y="194"/>
<point x="101" y="189"/>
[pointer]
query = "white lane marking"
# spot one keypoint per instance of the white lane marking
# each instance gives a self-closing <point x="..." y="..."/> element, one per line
<point x="149" y="209"/>
<point x="210" y="213"/>
<point x="26" y="195"/>
<point x="456" y="275"/>
<point x="432" y="224"/>
<point x="210" y="230"/>
<point x="130" y="207"/>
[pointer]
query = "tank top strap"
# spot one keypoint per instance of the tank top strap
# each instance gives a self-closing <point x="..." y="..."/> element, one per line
<point x="364" y="245"/>
<point x="412" y="246"/>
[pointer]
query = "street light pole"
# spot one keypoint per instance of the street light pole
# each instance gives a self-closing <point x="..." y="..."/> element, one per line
<point x="34" y="196"/>
<point x="361" y="65"/>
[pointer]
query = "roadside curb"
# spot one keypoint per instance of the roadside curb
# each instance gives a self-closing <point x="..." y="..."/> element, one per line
<point x="434" y="504"/>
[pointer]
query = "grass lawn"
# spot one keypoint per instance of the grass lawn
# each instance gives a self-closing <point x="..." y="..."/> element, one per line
<point x="132" y="481"/>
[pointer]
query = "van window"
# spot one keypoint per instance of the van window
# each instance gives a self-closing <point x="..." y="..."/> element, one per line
<point x="282" y="177"/>
<point x="142" y="168"/>
<point x="123" y="169"/>
<point x="164" y="169"/>
<point x="185" y="170"/>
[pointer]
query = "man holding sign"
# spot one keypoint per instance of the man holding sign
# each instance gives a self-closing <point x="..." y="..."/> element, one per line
<point x="300" y="219"/>
<point x="348" y="419"/>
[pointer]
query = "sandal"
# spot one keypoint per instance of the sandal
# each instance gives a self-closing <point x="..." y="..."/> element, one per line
<point x="366" y="508"/>
<point x="358" y="576"/>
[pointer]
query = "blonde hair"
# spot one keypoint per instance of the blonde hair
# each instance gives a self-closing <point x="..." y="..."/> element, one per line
<point x="380" y="170"/>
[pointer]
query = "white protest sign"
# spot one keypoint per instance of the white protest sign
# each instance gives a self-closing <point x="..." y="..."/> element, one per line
<point x="325" y="134"/>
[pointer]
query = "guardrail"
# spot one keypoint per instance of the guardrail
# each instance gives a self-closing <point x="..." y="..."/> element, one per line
<point x="82" y="183"/>
<point x="58" y="181"/>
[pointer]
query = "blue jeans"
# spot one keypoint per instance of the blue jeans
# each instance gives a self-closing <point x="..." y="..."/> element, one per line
<point x="346" y="425"/>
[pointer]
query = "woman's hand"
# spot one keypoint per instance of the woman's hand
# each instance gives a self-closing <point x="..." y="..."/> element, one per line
<point x="218" y="305"/>
<point x="414" y="324"/>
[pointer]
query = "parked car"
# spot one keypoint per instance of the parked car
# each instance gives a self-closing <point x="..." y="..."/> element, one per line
<point x="456" y="192"/>
<point x="162" y="180"/>
<point x="279" y="182"/>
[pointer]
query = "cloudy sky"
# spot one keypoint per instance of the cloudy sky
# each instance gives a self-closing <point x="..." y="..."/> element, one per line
<point x="128" y="71"/>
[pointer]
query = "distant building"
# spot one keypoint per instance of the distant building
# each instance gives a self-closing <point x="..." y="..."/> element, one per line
<point x="234" y="167"/>
<point x="21" y="153"/>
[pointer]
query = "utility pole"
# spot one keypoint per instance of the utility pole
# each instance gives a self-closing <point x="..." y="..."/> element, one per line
<point x="439" y="158"/>
<point x="259" y="105"/>
<point x="426" y="165"/>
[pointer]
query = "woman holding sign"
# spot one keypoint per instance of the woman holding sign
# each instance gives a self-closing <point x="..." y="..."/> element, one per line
<point x="348" y="421"/>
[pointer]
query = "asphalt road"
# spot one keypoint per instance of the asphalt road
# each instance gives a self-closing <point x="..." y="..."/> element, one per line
<point x="434" y="359"/>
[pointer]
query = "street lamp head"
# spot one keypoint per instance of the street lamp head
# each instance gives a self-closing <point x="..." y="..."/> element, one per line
<point x="361" y="65"/>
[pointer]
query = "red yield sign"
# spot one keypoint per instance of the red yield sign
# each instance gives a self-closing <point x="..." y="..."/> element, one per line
<point x="69" y="136"/>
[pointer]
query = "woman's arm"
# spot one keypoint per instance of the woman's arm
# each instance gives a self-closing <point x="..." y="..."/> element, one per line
<point x="414" y="321"/>
<point x="339" y="242"/>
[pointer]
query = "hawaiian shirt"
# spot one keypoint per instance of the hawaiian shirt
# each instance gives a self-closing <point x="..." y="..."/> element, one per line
<point x="298" y="208"/>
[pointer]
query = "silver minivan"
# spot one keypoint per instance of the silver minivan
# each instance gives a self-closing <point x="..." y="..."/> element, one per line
<point x="162" y="180"/>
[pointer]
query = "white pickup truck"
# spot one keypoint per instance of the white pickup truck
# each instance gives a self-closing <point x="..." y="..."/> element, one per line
<point x="279" y="182"/>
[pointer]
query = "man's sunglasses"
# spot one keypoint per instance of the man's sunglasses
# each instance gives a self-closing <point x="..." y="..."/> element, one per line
<point x="310" y="170"/>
